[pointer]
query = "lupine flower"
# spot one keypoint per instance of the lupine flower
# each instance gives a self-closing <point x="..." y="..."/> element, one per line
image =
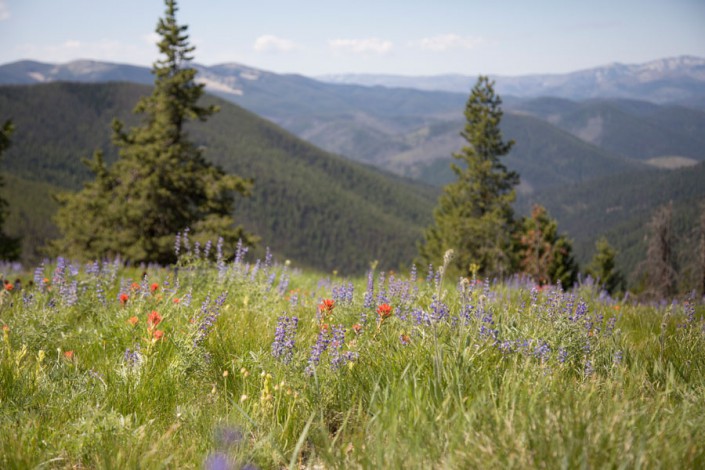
<point x="284" y="339"/>
<point x="133" y="358"/>
<point x="316" y="350"/>
<point x="209" y="314"/>
<point x="369" y="295"/>
<point x="337" y="358"/>
<point x="618" y="356"/>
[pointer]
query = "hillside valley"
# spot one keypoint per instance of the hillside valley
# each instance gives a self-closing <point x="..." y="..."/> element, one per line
<point x="317" y="209"/>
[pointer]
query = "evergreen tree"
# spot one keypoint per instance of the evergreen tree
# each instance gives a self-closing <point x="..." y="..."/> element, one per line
<point x="659" y="265"/>
<point x="543" y="254"/>
<point x="701" y="248"/>
<point x="9" y="246"/>
<point x="603" y="268"/>
<point x="474" y="216"/>
<point x="161" y="183"/>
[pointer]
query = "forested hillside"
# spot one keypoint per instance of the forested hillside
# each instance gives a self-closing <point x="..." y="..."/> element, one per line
<point x="318" y="209"/>
<point x="621" y="206"/>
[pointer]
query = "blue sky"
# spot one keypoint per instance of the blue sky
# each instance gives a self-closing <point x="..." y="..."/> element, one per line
<point x="408" y="37"/>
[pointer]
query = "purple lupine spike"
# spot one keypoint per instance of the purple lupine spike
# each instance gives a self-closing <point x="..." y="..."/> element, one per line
<point x="316" y="351"/>
<point x="284" y="339"/>
<point x="370" y="293"/>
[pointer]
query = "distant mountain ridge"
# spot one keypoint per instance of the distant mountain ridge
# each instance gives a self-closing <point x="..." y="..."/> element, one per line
<point x="413" y="132"/>
<point x="675" y="79"/>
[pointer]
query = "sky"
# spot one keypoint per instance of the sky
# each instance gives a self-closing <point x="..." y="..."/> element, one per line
<point x="403" y="37"/>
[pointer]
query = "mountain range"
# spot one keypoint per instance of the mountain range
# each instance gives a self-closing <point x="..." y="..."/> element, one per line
<point x="413" y="132"/>
<point x="669" y="80"/>
<point x="566" y="146"/>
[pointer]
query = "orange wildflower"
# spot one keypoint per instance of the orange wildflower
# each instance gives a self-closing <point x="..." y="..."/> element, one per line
<point x="154" y="319"/>
<point x="158" y="334"/>
<point x="384" y="311"/>
<point x="135" y="286"/>
<point x="357" y="328"/>
<point x="153" y="288"/>
<point x="124" y="298"/>
<point x="132" y="320"/>
<point x="9" y="286"/>
<point x="5" y="328"/>
<point x="68" y="355"/>
<point x="176" y="300"/>
<point x="326" y="306"/>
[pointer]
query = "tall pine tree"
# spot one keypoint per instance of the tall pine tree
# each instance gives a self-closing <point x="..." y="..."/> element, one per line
<point x="474" y="216"/>
<point x="161" y="183"/>
<point x="9" y="246"/>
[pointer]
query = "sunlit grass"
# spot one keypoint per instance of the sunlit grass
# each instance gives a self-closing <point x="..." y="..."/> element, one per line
<point x="467" y="376"/>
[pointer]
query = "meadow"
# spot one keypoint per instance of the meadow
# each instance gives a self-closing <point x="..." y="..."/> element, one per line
<point x="240" y="363"/>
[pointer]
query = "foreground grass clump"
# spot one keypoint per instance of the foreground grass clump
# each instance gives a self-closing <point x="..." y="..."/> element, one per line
<point x="230" y="365"/>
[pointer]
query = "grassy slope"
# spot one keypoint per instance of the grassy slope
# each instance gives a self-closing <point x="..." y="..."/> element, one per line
<point x="318" y="209"/>
<point x="497" y="378"/>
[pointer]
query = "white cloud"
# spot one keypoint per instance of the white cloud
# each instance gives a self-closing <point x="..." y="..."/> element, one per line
<point x="4" y="10"/>
<point x="361" y="46"/>
<point x="152" y="38"/>
<point x="445" y="42"/>
<point x="271" y="43"/>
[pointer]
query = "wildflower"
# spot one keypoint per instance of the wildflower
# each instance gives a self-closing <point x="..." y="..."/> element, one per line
<point x="158" y="334"/>
<point x="154" y="287"/>
<point x="326" y="306"/>
<point x="9" y="286"/>
<point x="68" y="355"/>
<point x="123" y="298"/>
<point x="154" y="319"/>
<point x="357" y="328"/>
<point x="5" y="328"/>
<point x="316" y="351"/>
<point x="405" y="339"/>
<point x="337" y="357"/>
<point x="384" y="311"/>
<point x="176" y="300"/>
<point x="133" y="320"/>
<point x="617" y="359"/>
<point x="283" y="345"/>
<point x="135" y="286"/>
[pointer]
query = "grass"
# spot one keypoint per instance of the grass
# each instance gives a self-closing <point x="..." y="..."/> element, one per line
<point x="476" y="375"/>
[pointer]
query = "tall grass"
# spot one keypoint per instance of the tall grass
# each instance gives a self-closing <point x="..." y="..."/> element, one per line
<point x="264" y="366"/>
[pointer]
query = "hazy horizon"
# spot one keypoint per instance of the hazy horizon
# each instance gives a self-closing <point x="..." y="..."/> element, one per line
<point x="413" y="38"/>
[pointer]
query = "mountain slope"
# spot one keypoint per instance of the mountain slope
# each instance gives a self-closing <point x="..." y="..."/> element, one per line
<point x="620" y="207"/>
<point x="633" y="129"/>
<point x="544" y="155"/>
<point x="316" y="208"/>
